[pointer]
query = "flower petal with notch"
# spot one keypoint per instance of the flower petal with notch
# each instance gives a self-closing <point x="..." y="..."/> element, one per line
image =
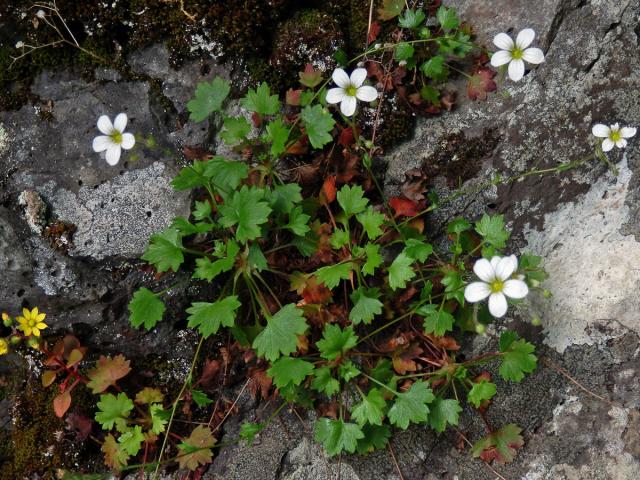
<point x="114" y="139"/>
<point x="497" y="283"/>
<point x="516" y="53"/>
<point x="350" y="89"/>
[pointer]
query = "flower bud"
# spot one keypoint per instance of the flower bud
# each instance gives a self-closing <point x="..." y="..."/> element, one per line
<point x="536" y="321"/>
<point x="547" y="294"/>
<point x="34" y="343"/>
<point x="15" y="339"/>
<point x="40" y="14"/>
<point x="19" y="44"/>
<point x="480" y="329"/>
<point x="7" y="321"/>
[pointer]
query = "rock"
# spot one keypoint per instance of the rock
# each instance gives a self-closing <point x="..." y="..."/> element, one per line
<point x="35" y="210"/>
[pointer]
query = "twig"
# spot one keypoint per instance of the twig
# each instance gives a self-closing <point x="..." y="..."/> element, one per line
<point x="395" y="461"/>
<point x="565" y="374"/>
<point x="232" y="405"/>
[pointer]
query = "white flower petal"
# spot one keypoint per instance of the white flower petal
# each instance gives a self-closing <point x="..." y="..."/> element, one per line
<point x="102" y="142"/>
<point x="348" y="106"/>
<point x="601" y="130"/>
<point x="516" y="70"/>
<point x="627" y="132"/>
<point x="113" y="155"/>
<point x="524" y="38"/>
<point x="497" y="305"/>
<point x="501" y="57"/>
<point x="622" y="143"/>
<point x="105" y="125"/>
<point x="358" y="76"/>
<point x="335" y="95"/>
<point x="607" y="144"/>
<point x="506" y="266"/>
<point x="533" y="55"/>
<point x="503" y="41"/>
<point x="341" y="78"/>
<point x="476" y="291"/>
<point x="128" y="141"/>
<point x="120" y="122"/>
<point x="494" y="262"/>
<point x="515" y="289"/>
<point x="615" y="127"/>
<point x="484" y="270"/>
<point x="367" y="93"/>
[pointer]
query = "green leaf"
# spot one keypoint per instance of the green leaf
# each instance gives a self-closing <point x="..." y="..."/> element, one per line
<point x="411" y="19"/>
<point x="436" y="320"/>
<point x="374" y="259"/>
<point x="226" y="175"/>
<point x="493" y="230"/>
<point x="417" y="249"/>
<point x="165" y="250"/>
<point x="447" y="18"/>
<point x="201" y="398"/>
<point x="371" y="221"/>
<point x="500" y="445"/>
<point x="235" y="130"/>
<point x="159" y="418"/>
<point x="457" y="46"/>
<point x="209" y="316"/>
<point x="517" y="357"/>
<point x="323" y="381"/>
<point x="434" y="67"/>
<point x="248" y="431"/>
<point x="347" y="370"/>
<point x="246" y="210"/>
<point x="376" y="437"/>
<point x="277" y="135"/>
<point x="280" y="336"/>
<point x="430" y="94"/>
<point x="256" y="259"/>
<point x="403" y="51"/>
<point x="112" y="409"/>
<point x="284" y="197"/>
<point x="400" y="271"/>
<point x="351" y="199"/>
<point x="145" y="308"/>
<point x="202" y="210"/>
<point x="208" y="270"/>
<point x="339" y="239"/>
<point x="332" y="274"/>
<point x="289" y="370"/>
<point x="411" y="406"/>
<point x="391" y="9"/>
<point x="318" y="124"/>
<point x="453" y="285"/>
<point x="370" y="409"/>
<point x="261" y="101"/>
<point x="131" y="440"/>
<point x="298" y="221"/>
<point x="480" y="392"/>
<point x="336" y="341"/>
<point x="208" y="99"/>
<point x="191" y="176"/>
<point x="365" y="305"/>
<point x="444" y="412"/>
<point x="458" y="226"/>
<point x="185" y="227"/>
<point x="337" y="436"/>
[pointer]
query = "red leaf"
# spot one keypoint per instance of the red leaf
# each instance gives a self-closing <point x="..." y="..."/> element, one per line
<point x="480" y="83"/>
<point x="328" y="191"/>
<point x="404" y="207"/>
<point x="310" y="77"/>
<point x="293" y="97"/>
<point x="347" y="137"/>
<point x="210" y="373"/>
<point x="256" y="119"/>
<point x="61" y="404"/>
<point x="500" y="445"/>
<point x="195" y="153"/>
<point x="374" y="30"/>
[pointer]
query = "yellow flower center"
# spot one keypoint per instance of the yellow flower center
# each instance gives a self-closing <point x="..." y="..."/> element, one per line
<point x="615" y="135"/>
<point x="116" y="137"/>
<point x="496" y="286"/>
<point x="351" y="90"/>
<point x="517" y="53"/>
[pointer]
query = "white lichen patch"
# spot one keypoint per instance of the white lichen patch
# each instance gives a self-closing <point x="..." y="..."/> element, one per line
<point x="4" y="138"/>
<point x="594" y="269"/>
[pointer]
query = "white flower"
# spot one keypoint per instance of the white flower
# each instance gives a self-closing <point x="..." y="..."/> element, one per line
<point x="516" y="53"/>
<point x="114" y="138"/>
<point x="349" y="89"/>
<point x="613" y="135"/>
<point x="496" y="284"/>
<point x="19" y="44"/>
<point x="40" y="14"/>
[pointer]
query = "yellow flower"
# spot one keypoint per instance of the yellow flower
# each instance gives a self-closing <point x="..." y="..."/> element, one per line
<point x="4" y="346"/>
<point x="31" y="322"/>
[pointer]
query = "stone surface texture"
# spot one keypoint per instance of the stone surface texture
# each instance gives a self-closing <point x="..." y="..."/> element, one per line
<point x="585" y="223"/>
